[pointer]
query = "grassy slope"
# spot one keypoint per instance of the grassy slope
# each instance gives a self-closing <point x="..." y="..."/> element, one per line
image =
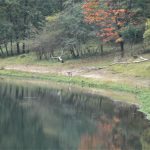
<point x="137" y="70"/>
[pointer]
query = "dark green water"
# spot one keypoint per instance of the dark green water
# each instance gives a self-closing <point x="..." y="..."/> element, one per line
<point x="36" y="118"/>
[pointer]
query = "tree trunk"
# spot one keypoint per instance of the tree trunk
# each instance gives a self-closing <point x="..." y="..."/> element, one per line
<point x="23" y="47"/>
<point x="77" y="52"/>
<point x="6" y="48"/>
<point x="102" y="49"/>
<point x="1" y="51"/>
<point x="72" y="53"/>
<point x="11" y="46"/>
<point x="122" y="48"/>
<point x="61" y="5"/>
<point x="11" y="20"/>
<point x="130" y="4"/>
<point x="18" y="47"/>
<point x="25" y="25"/>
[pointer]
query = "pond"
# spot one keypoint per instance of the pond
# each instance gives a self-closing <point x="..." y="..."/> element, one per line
<point x="33" y="117"/>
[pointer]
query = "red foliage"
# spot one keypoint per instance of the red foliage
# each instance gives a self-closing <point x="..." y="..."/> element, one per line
<point x="107" y="16"/>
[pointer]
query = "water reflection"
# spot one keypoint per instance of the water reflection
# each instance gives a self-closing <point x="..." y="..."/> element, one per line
<point x="36" y="118"/>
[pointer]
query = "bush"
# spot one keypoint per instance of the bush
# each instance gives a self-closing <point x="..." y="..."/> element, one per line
<point x="133" y="34"/>
<point x="147" y="31"/>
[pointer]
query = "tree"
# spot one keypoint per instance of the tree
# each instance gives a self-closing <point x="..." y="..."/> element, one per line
<point x="111" y="17"/>
<point x="147" y="32"/>
<point x="74" y="30"/>
<point x="21" y="20"/>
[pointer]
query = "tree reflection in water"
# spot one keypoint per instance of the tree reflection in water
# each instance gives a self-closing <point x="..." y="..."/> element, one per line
<point x="36" y="118"/>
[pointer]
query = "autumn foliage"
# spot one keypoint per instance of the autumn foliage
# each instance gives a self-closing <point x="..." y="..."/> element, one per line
<point x="104" y="137"/>
<point x="108" y="15"/>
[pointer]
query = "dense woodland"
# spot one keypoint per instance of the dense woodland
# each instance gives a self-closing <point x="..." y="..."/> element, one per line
<point x="75" y="28"/>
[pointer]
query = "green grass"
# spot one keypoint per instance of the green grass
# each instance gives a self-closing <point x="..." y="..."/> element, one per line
<point x="25" y="59"/>
<point x="142" y="93"/>
<point x="138" y="70"/>
<point x="135" y="70"/>
<point x="144" y="96"/>
<point x="31" y="59"/>
<point x="65" y="79"/>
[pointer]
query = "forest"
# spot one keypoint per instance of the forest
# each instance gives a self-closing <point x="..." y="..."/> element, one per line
<point x="73" y="28"/>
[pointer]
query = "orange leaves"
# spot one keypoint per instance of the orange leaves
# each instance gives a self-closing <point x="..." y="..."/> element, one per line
<point x="109" y="29"/>
<point x="104" y="15"/>
<point x="90" y="8"/>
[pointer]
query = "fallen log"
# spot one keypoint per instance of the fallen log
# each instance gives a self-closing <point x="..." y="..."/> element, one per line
<point x="136" y="61"/>
<point x="59" y="58"/>
<point x="116" y="63"/>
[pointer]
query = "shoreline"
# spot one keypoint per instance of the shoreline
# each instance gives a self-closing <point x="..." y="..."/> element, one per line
<point x="141" y="93"/>
<point x="113" y="95"/>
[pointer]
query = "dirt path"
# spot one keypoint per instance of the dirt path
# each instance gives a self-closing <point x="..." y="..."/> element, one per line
<point x="86" y="72"/>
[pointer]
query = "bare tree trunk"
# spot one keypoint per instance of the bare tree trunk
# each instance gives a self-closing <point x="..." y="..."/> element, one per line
<point x="11" y="46"/>
<point x="130" y="4"/>
<point x="25" y="27"/>
<point x="18" y="47"/>
<point x="122" y="48"/>
<point x="1" y="51"/>
<point x="6" y="48"/>
<point x="61" y="5"/>
<point x="102" y="49"/>
<point x="72" y="53"/>
<point x="23" y="47"/>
